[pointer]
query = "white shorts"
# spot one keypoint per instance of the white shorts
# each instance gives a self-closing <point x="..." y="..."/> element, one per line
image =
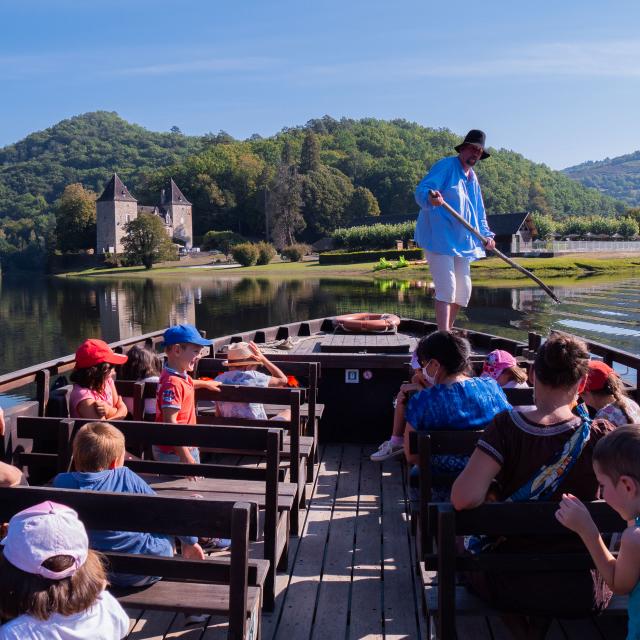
<point x="451" y="277"/>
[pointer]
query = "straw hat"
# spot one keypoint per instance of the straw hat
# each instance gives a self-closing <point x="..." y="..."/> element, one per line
<point x="239" y="354"/>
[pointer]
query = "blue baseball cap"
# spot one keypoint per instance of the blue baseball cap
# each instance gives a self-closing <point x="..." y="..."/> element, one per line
<point x="184" y="333"/>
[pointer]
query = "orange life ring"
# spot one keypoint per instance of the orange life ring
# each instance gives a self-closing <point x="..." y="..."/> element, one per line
<point x="368" y="322"/>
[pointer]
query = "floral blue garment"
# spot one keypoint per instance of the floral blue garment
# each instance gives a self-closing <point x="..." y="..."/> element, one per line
<point x="466" y="405"/>
<point x="251" y="410"/>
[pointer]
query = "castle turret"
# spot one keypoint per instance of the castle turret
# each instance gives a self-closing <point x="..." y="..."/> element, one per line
<point x="180" y="209"/>
<point x="114" y="208"/>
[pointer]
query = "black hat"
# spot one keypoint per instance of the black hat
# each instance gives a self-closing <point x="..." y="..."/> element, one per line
<point x="477" y="137"/>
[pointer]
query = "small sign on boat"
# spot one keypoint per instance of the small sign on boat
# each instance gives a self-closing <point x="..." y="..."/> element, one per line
<point x="352" y="376"/>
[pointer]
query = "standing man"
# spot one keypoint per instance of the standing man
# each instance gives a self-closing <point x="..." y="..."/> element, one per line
<point x="448" y="246"/>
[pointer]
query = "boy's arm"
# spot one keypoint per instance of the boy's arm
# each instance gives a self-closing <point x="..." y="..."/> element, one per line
<point x="621" y="574"/>
<point x="212" y="385"/>
<point x="170" y="414"/>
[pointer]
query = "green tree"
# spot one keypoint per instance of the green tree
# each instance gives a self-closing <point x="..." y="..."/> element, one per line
<point x="310" y="154"/>
<point x="628" y="227"/>
<point x="284" y="206"/>
<point x="146" y="241"/>
<point x="545" y="225"/>
<point x="363" y="203"/>
<point x="326" y="196"/>
<point x="538" y="200"/>
<point x="76" y="219"/>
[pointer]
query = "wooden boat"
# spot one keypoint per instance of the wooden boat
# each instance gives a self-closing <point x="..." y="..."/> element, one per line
<point x="351" y="571"/>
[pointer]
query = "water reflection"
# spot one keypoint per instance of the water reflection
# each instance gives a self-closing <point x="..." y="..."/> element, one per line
<point x="44" y="319"/>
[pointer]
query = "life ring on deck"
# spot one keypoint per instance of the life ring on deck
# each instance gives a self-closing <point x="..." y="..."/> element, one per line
<point x="368" y="322"/>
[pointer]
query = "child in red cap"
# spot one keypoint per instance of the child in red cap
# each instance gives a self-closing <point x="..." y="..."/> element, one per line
<point x="605" y="394"/>
<point x="94" y="393"/>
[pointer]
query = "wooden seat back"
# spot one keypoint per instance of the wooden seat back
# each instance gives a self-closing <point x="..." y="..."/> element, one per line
<point x="425" y="445"/>
<point x="170" y="516"/>
<point x="529" y="519"/>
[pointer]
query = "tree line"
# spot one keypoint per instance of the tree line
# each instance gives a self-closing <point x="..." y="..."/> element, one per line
<point x="298" y="185"/>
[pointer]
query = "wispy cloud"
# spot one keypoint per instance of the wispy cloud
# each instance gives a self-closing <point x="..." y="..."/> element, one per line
<point x="214" y="64"/>
<point x="619" y="58"/>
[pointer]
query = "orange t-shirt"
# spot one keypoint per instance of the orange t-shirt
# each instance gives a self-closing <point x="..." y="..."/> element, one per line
<point x="175" y="391"/>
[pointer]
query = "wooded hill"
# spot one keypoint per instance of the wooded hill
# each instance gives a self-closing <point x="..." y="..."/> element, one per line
<point x="617" y="177"/>
<point x="350" y="168"/>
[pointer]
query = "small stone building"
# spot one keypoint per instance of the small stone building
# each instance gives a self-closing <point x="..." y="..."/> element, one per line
<point x="116" y="206"/>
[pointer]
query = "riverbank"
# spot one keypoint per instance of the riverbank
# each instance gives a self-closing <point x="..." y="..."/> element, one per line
<point x="573" y="265"/>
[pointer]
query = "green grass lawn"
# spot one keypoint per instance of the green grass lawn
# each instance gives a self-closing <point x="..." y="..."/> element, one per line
<point x="487" y="268"/>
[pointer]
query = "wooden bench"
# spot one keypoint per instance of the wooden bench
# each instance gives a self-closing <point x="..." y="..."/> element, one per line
<point x="296" y="450"/>
<point x="445" y="599"/>
<point x="308" y="376"/>
<point x="189" y="587"/>
<point x="223" y="482"/>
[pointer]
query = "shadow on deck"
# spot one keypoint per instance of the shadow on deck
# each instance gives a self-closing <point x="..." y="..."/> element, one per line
<point x="350" y="573"/>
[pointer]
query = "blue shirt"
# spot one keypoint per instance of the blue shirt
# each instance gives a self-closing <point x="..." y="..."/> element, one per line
<point x="120" y="480"/>
<point x="466" y="405"/>
<point x="250" y="410"/>
<point x="436" y="229"/>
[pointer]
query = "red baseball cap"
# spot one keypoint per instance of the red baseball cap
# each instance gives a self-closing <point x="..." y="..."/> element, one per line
<point x="92" y="352"/>
<point x="599" y="373"/>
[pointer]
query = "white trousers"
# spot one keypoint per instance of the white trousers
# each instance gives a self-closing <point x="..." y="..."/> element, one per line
<point x="451" y="277"/>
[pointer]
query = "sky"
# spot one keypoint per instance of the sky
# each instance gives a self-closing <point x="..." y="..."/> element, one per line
<point x="557" y="81"/>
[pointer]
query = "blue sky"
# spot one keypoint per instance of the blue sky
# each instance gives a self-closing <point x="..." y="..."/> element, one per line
<point x="557" y="81"/>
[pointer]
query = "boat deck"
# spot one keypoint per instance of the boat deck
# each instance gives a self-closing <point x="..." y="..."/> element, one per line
<point x="350" y="573"/>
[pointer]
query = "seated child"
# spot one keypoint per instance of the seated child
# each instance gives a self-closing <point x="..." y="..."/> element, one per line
<point x="142" y="365"/>
<point x="175" y="401"/>
<point x="98" y="455"/>
<point x="503" y="368"/>
<point x="605" y="394"/>
<point x="94" y="393"/>
<point x="51" y="584"/>
<point x="616" y="463"/>
<point x="243" y="360"/>
<point x="395" y="445"/>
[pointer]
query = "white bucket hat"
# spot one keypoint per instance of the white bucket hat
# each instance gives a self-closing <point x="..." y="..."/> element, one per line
<point x="41" y="532"/>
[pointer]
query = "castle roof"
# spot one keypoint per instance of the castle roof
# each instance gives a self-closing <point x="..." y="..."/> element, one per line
<point x="172" y="195"/>
<point x="116" y="190"/>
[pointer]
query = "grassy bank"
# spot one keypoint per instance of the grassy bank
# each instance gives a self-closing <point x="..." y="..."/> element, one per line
<point x="488" y="269"/>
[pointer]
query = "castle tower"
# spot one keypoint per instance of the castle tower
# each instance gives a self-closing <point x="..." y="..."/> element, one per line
<point x="114" y="208"/>
<point x="180" y="210"/>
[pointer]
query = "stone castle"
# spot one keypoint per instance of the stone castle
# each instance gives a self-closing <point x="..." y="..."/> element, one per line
<point x="116" y="206"/>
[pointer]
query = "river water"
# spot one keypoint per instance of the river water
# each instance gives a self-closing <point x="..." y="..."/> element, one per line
<point x="44" y="318"/>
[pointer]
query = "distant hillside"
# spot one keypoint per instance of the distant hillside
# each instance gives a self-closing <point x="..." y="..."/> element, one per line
<point x="86" y="149"/>
<point x="616" y="177"/>
<point x="355" y="168"/>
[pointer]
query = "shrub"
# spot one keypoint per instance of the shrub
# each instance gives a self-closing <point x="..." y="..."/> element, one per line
<point x="369" y="256"/>
<point x="266" y="252"/>
<point x="295" y="252"/>
<point x="375" y="236"/>
<point x="246" y="253"/>
<point x="220" y="241"/>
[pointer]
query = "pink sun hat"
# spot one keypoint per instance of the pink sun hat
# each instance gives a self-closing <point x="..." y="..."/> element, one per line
<point x="41" y="532"/>
<point x="497" y="361"/>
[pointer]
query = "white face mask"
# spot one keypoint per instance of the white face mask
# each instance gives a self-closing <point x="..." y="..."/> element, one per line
<point x="430" y="379"/>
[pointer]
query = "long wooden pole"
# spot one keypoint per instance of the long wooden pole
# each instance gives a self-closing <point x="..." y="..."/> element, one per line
<point x="509" y="261"/>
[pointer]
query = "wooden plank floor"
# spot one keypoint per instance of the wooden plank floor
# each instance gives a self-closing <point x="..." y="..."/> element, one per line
<point x="350" y="573"/>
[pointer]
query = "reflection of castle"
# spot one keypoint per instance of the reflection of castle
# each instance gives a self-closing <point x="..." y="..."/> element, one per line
<point x="127" y="312"/>
<point x="116" y="206"/>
